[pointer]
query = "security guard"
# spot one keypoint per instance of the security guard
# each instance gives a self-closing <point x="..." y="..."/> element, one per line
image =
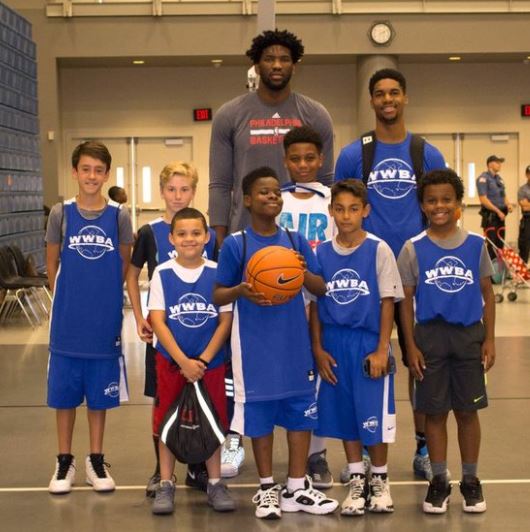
<point x="523" y="197"/>
<point x="495" y="205"/>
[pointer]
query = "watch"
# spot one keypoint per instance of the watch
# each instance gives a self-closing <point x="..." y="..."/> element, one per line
<point x="381" y="33"/>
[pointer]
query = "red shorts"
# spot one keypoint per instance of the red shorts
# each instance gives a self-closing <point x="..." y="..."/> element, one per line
<point x="170" y="384"/>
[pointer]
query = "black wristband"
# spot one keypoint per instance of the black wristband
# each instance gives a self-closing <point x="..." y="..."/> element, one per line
<point x="203" y="361"/>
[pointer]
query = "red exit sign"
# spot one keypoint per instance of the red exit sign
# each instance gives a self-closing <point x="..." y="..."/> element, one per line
<point x="525" y="110"/>
<point x="203" y="114"/>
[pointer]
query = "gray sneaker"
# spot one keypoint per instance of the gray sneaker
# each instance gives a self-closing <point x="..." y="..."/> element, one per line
<point x="421" y="466"/>
<point x="164" y="502"/>
<point x="219" y="498"/>
<point x="318" y="470"/>
<point x="152" y="485"/>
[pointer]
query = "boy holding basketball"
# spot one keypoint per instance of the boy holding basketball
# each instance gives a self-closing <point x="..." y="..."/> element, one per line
<point x="178" y="184"/>
<point x="274" y="379"/>
<point x="305" y="209"/>
<point x="447" y="272"/>
<point x="191" y="335"/>
<point x="350" y="328"/>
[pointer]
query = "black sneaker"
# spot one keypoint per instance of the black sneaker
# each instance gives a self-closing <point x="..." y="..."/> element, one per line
<point x="197" y="477"/>
<point x="437" y="497"/>
<point x="471" y="490"/>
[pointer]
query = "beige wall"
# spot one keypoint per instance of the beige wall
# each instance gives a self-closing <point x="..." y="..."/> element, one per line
<point x="159" y="101"/>
<point x="444" y="97"/>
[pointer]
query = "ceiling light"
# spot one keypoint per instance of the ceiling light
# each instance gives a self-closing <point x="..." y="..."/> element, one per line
<point x="138" y="62"/>
<point x="455" y="58"/>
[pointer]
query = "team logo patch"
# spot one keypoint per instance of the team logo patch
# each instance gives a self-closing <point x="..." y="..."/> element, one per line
<point x="449" y="275"/>
<point x="392" y="179"/>
<point x="91" y="242"/>
<point x="192" y="310"/>
<point x="112" y="390"/>
<point x="312" y="411"/>
<point x="371" y="424"/>
<point x="346" y="286"/>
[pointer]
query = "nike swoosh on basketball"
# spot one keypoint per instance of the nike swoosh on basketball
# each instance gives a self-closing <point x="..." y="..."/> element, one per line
<point x="477" y="399"/>
<point x="282" y="280"/>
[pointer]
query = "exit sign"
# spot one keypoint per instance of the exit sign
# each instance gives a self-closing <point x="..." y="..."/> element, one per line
<point x="525" y="110"/>
<point x="203" y="114"/>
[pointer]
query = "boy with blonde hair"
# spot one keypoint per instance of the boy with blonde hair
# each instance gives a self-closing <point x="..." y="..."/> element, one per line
<point x="178" y="184"/>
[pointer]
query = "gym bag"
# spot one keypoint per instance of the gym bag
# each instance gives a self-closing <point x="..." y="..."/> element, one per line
<point x="191" y="429"/>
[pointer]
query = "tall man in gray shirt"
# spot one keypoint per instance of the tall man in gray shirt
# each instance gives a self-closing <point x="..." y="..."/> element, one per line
<point x="248" y="131"/>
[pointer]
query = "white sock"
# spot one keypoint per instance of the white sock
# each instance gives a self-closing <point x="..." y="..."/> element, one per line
<point x="318" y="444"/>
<point x="294" y="484"/>
<point x="379" y="470"/>
<point x="266" y="480"/>
<point x="213" y="481"/>
<point x="356" y="468"/>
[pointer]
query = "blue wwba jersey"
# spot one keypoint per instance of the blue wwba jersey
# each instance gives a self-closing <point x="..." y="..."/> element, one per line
<point x="191" y="315"/>
<point x="449" y="281"/>
<point x="165" y="249"/>
<point x="352" y="298"/>
<point x="88" y="297"/>
<point x="395" y="214"/>
<point x="271" y="350"/>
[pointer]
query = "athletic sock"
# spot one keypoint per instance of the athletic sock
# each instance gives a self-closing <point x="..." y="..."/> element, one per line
<point x="356" y="468"/>
<point x="294" y="484"/>
<point x="439" y="468"/>
<point x="421" y="443"/>
<point x="266" y="482"/>
<point x="379" y="470"/>
<point x="213" y="481"/>
<point x="469" y="469"/>
<point x="318" y="445"/>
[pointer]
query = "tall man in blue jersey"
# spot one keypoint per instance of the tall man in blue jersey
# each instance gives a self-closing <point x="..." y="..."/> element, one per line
<point x="395" y="214"/>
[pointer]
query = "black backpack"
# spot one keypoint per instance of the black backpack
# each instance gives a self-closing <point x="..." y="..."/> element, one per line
<point x="191" y="429"/>
<point x="417" y="149"/>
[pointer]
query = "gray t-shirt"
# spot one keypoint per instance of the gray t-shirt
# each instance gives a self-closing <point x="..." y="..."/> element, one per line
<point x="408" y="262"/>
<point x="523" y="192"/>
<point x="55" y="233"/>
<point x="246" y="134"/>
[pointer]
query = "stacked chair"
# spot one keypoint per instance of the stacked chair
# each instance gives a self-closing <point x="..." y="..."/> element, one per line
<point x="23" y="293"/>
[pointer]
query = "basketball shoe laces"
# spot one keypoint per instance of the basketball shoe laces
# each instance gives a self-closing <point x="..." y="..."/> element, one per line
<point x="232" y="450"/>
<point x="378" y="485"/>
<point x="63" y="467"/>
<point x="99" y="466"/>
<point x="356" y="487"/>
<point x="268" y="497"/>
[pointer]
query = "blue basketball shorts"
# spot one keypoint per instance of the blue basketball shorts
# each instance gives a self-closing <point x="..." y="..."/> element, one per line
<point x="102" y="382"/>
<point x="357" y="407"/>
<point x="258" y="418"/>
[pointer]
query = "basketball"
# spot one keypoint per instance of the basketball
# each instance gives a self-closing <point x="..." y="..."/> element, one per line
<point x="276" y="272"/>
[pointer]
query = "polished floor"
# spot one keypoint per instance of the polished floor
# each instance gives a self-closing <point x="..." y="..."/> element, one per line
<point x="28" y="445"/>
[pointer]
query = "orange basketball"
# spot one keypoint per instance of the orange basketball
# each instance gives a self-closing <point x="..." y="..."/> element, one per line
<point x="276" y="272"/>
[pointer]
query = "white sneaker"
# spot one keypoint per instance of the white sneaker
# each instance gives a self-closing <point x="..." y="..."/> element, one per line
<point x="232" y="456"/>
<point x="64" y="474"/>
<point x="379" y="499"/>
<point x="97" y="474"/>
<point x="355" y="502"/>
<point x="267" y="502"/>
<point x="307" y="500"/>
